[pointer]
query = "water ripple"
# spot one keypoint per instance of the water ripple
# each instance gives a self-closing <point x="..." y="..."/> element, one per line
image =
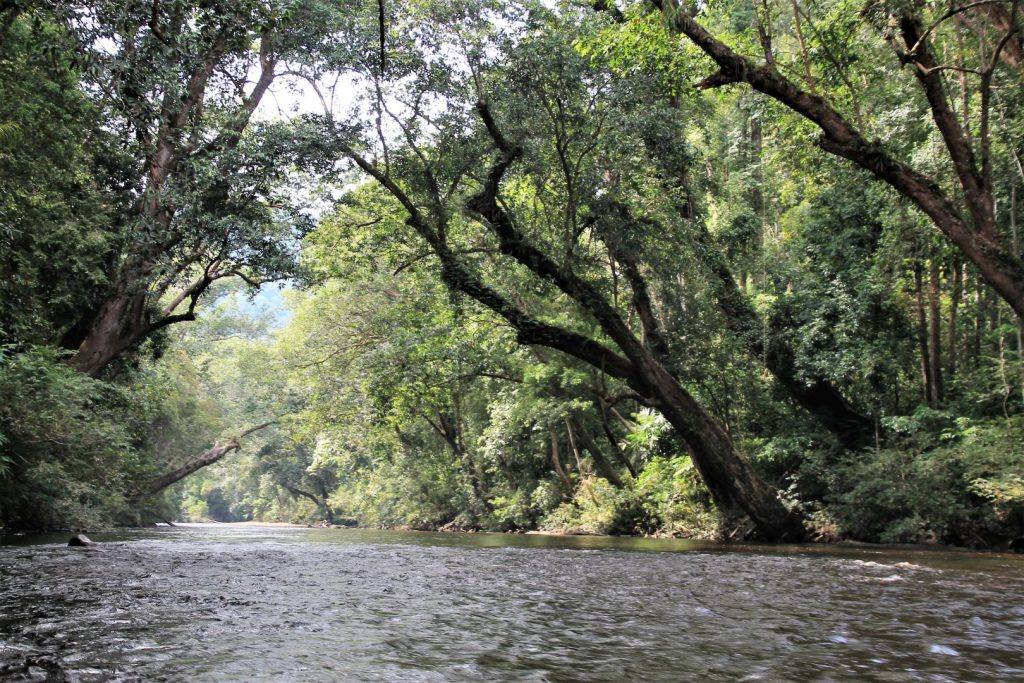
<point x="229" y="603"/>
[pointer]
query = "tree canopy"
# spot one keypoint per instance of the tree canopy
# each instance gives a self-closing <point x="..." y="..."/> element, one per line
<point x="726" y="269"/>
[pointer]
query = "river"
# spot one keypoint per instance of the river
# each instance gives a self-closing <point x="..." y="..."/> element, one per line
<point x="250" y="603"/>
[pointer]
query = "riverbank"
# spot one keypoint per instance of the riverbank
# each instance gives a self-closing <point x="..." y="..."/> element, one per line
<point x="1012" y="546"/>
<point x="1015" y="545"/>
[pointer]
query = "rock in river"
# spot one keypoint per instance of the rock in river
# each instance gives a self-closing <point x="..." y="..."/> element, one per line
<point x="81" y="540"/>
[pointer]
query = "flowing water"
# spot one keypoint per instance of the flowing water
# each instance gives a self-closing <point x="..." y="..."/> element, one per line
<point x="245" y="603"/>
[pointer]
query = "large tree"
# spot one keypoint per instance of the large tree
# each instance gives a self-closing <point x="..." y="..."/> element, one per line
<point x="920" y="36"/>
<point x="56" y="194"/>
<point x="439" y="192"/>
<point x="179" y="84"/>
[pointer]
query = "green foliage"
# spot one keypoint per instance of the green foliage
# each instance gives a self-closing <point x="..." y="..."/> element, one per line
<point x="196" y="511"/>
<point x="400" y="404"/>
<point x="900" y="497"/>
<point x="667" y="497"/>
<point x="66" y="454"/>
<point x="186" y="419"/>
<point x="59" y="172"/>
<point x="646" y="438"/>
<point x="943" y="479"/>
<point x="598" y="508"/>
<point x="674" y="500"/>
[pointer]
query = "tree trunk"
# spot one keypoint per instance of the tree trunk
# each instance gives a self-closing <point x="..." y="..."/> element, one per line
<point x="614" y="443"/>
<point x="324" y="495"/>
<point x="575" y="448"/>
<point x="935" y="328"/>
<point x="756" y="198"/>
<point x="732" y="482"/>
<point x="125" y="317"/>
<point x="804" y="57"/>
<point x="119" y="323"/>
<point x="556" y="464"/>
<point x="207" y="457"/>
<point x="601" y="464"/>
<point x="922" y="334"/>
<point x="954" y="315"/>
<point x="1016" y="247"/>
<point x="998" y="18"/>
<point x="979" y="320"/>
<point x="820" y="398"/>
<point x="730" y="479"/>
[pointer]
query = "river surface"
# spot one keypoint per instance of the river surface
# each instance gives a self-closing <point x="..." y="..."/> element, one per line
<point x="247" y="603"/>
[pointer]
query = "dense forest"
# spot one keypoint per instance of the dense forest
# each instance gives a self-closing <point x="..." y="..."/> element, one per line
<point x="728" y="269"/>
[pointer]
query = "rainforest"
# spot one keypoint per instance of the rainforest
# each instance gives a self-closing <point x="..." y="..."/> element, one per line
<point x="740" y="269"/>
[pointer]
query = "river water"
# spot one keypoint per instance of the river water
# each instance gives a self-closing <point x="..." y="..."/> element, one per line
<point x="245" y="603"/>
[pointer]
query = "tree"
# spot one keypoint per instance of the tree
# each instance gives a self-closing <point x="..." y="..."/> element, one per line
<point x="976" y="234"/>
<point x="432" y="206"/>
<point x="56" y="192"/>
<point x="208" y="457"/>
<point x="173" y="81"/>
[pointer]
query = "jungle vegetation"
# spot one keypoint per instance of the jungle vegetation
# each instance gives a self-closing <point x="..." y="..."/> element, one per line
<point x="729" y="269"/>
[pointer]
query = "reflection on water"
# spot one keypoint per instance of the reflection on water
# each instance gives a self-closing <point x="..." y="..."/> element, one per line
<point x="223" y="602"/>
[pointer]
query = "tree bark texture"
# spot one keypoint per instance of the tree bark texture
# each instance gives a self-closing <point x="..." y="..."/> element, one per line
<point x="119" y="322"/>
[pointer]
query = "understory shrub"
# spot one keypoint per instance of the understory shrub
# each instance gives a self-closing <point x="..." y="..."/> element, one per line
<point x="66" y="457"/>
<point x="598" y="508"/>
<point x="666" y="499"/>
<point x="965" y="488"/>
<point x="674" y="501"/>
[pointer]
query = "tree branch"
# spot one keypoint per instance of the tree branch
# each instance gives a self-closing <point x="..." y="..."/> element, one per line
<point x="998" y="264"/>
<point x="960" y="152"/>
<point x="207" y="457"/>
<point x="457" y="276"/>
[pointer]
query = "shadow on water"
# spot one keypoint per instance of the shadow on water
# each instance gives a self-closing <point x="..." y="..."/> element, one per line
<point x="239" y="602"/>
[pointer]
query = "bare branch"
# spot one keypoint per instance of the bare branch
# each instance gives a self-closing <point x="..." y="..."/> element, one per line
<point x="952" y="12"/>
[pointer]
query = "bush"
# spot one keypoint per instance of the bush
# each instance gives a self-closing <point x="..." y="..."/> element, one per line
<point x="598" y="508"/>
<point x="674" y="500"/>
<point x="65" y="456"/>
<point x="964" y="487"/>
<point x="513" y="511"/>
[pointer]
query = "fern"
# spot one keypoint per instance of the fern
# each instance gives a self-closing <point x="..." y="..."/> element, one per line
<point x="10" y="132"/>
